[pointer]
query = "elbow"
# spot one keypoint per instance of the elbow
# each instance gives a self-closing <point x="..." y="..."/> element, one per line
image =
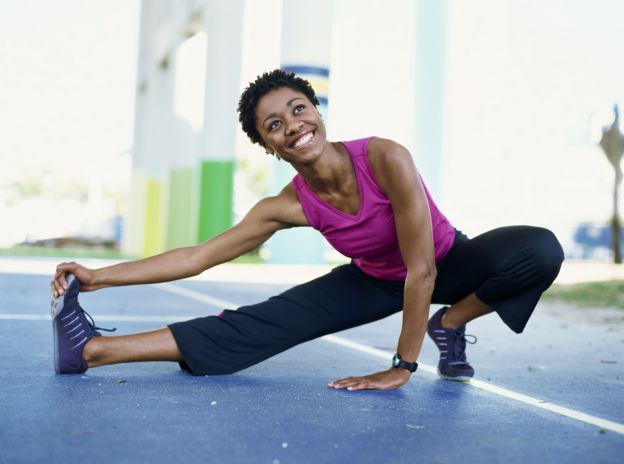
<point x="195" y="261"/>
<point x="423" y="277"/>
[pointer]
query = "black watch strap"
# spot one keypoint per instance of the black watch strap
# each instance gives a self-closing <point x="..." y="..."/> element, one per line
<point x="397" y="361"/>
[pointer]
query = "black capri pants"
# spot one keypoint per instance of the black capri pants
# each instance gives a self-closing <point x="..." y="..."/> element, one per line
<point x="508" y="268"/>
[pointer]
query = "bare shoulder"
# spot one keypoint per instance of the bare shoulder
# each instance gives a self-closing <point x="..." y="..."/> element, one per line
<point x="290" y="208"/>
<point x="390" y="162"/>
<point x="284" y="209"/>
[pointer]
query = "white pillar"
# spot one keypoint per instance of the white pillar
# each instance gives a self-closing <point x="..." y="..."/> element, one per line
<point x="306" y="33"/>
<point x="429" y="61"/>
<point x="223" y="25"/>
<point x="185" y="123"/>
<point x="145" y="231"/>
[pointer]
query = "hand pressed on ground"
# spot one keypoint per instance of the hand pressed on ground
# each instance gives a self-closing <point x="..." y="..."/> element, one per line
<point x="384" y="380"/>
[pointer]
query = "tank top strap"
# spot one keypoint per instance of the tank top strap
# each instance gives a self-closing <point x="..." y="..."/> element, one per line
<point x="297" y="181"/>
<point x="358" y="149"/>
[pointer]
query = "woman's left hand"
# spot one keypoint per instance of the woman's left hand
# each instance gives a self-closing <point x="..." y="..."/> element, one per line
<point x="384" y="380"/>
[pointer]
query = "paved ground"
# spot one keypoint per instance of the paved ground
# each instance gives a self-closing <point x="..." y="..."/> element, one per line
<point x="282" y="411"/>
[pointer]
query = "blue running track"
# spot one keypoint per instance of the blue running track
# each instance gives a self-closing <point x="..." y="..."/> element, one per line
<point x="281" y="411"/>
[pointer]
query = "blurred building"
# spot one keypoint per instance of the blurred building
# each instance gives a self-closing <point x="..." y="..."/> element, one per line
<point x="495" y="100"/>
<point x="185" y="127"/>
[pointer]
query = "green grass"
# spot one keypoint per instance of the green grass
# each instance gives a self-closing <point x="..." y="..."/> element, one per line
<point x="607" y="293"/>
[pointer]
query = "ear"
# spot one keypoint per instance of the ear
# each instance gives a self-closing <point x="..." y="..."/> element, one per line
<point x="270" y="151"/>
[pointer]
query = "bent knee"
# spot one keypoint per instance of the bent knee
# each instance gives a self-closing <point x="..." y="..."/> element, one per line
<point x="547" y="253"/>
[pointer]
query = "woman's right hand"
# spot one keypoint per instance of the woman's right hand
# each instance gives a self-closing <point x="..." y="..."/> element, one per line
<point x="83" y="274"/>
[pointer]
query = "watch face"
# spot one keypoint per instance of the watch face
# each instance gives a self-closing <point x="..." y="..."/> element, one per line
<point x="395" y="361"/>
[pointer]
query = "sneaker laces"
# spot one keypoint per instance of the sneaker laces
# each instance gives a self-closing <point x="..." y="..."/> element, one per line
<point x="459" y="348"/>
<point x="92" y="322"/>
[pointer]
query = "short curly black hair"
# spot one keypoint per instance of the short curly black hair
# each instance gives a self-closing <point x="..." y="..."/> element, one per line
<point x="259" y="88"/>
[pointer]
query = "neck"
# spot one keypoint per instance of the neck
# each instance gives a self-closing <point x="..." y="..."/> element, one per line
<point x="329" y="171"/>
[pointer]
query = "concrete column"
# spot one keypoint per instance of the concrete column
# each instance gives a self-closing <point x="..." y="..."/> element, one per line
<point x="223" y="26"/>
<point x="146" y="220"/>
<point x="185" y="123"/>
<point x="189" y="75"/>
<point x="306" y="36"/>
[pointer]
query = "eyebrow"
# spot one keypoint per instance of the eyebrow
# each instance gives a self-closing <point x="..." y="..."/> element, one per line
<point x="288" y="103"/>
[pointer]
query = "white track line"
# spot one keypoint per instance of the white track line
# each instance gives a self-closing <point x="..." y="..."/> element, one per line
<point x="580" y="416"/>
<point x="385" y="355"/>
<point x="100" y="317"/>
<point x="197" y="296"/>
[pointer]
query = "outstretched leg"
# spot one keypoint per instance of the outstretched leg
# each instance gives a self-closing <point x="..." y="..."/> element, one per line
<point x="158" y="345"/>
<point x="344" y="298"/>
<point x="79" y="345"/>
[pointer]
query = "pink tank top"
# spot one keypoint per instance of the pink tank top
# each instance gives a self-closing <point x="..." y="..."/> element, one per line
<point x="369" y="237"/>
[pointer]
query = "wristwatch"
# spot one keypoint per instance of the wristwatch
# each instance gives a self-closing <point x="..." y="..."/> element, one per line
<point x="398" y="362"/>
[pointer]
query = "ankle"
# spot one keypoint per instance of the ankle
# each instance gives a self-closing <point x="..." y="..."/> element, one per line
<point x="92" y="350"/>
<point x="447" y="322"/>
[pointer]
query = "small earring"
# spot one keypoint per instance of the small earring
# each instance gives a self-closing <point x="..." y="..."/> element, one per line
<point x="273" y="153"/>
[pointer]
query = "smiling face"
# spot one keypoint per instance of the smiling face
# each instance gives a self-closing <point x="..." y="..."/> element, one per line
<point x="290" y="125"/>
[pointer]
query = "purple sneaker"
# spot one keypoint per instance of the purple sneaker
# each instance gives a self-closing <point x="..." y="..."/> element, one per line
<point x="71" y="330"/>
<point x="452" y="345"/>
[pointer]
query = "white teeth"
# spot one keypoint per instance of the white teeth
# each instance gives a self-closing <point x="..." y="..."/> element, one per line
<point x="303" y="140"/>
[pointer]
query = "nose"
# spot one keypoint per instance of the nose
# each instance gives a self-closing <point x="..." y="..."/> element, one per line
<point x="293" y="126"/>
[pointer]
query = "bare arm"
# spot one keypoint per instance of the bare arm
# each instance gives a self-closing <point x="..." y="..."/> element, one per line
<point x="399" y="179"/>
<point x="414" y="230"/>
<point x="263" y="220"/>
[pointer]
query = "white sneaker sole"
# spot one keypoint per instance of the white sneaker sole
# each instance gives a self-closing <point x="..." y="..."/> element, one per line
<point x="462" y="378"/>
<point x="56" y="309"/>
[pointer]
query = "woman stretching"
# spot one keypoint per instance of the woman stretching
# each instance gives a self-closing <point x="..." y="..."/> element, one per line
<point x="368" y="200"/>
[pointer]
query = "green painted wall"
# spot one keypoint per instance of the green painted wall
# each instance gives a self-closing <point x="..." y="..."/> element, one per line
<point x="181" y="221"/>
<point x="216" y="187"/>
